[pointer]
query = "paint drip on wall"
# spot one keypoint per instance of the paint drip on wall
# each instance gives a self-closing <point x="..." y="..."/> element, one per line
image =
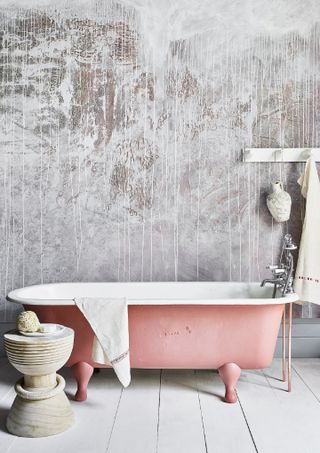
<point x="121" y="130"/>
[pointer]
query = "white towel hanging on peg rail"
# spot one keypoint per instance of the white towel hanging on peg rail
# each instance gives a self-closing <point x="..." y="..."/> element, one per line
<point x="279" y="154"/>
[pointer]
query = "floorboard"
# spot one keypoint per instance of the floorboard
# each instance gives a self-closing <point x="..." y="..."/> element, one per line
<point x="135" y="428"/>
<point x="309" y="371"/>
<point x="224" y="424"/>
<point x="180" y="423"/>
<point x="279" y="421"/>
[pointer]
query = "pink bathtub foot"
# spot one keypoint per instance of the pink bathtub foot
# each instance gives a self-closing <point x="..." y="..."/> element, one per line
<point x="82" y="372"/>
<point x="230" y="373"/>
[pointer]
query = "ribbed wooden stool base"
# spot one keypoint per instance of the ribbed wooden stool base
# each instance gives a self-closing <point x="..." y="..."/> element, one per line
<point x="40" y="413"/>
<point x="41" y="407"/>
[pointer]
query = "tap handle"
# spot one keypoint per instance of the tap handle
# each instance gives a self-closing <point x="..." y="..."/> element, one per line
<point x="278" y="270"/>
<point x="288" y="243"/>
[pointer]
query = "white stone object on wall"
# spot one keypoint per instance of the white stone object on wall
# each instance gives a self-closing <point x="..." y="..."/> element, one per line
<point x="279" y="202"/>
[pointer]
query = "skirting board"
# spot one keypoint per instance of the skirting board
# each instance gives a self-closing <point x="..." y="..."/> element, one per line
<point x="305" y="342"/>
<point x="305" y="339"/>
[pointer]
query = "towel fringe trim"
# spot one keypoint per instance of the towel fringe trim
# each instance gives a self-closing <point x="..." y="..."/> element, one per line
<point x="119" y="358"/>
<point x="310" y="279"/>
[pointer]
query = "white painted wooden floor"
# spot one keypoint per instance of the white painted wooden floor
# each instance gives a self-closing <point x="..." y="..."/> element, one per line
<point x="182" y="411"/>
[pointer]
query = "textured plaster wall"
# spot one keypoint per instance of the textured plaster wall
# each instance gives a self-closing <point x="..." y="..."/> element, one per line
<point x="121" y="125"/>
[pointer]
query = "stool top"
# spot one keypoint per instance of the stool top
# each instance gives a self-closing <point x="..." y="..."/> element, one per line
<point x="16" y="337"/>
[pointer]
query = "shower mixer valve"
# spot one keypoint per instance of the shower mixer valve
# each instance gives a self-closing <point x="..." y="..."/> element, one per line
<point x="283" y="273"/>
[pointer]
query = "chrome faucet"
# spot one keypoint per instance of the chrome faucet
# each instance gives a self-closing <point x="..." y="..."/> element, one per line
<point x="283" y="273"/>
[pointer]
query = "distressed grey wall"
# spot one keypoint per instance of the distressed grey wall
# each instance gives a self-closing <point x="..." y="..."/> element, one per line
<point x="121" y="126"/>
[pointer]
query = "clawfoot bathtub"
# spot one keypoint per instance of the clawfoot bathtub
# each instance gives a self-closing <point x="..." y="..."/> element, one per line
<point x="196" y="325"/>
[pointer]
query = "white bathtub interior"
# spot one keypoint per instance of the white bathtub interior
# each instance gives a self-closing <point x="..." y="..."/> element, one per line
<point x="141" y="293"/>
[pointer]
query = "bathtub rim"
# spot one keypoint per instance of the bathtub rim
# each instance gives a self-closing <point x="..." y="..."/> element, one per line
<point x="14" y="296"/>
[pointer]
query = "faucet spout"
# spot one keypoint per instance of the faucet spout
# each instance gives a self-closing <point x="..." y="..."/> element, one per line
<point x="273" y="281"/>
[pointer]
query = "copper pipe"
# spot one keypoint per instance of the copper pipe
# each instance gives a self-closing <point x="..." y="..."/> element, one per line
<point x="289" y="346"/>
<point x="283" y="325"/>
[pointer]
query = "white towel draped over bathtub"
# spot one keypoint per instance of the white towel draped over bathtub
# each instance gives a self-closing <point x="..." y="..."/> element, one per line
<point x="109" y="321"/>
<point x="307" y="277"/>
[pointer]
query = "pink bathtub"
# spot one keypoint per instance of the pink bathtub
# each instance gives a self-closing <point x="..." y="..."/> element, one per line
<point x="198" y="325"/>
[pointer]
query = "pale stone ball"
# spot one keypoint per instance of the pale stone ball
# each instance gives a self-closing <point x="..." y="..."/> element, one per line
<point x="28" y="321"/>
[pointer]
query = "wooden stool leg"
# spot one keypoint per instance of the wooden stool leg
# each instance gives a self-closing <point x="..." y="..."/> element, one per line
<point x="82" y="372"/>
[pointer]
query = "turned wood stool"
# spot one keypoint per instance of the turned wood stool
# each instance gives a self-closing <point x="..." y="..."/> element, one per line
<point x="41" y="407"/>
